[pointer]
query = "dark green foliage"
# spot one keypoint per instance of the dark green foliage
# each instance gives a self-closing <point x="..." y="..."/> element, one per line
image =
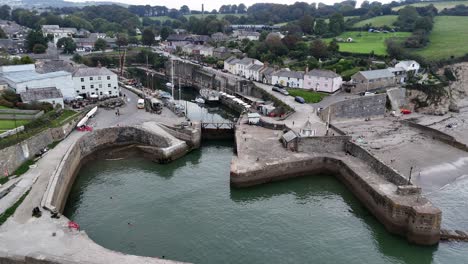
<point x="100" y="44"/>
<point x="36" y="37"/>
<point x="67" y="44"/>
<point x="147" y="37"/>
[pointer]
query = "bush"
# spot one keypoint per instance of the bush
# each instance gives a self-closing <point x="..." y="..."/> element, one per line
<point x="39" y="48"/>
<point x="5" y="103"/>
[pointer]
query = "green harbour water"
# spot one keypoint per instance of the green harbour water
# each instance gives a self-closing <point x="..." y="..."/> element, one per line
<point x="187" y="211"/>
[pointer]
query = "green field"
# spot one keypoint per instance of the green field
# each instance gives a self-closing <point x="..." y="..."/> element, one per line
<point x="365" y="42"/>
<point x="438" y="5"/>
<point x="4" y="107"/>
<point x="164" y="18"/>
<point x="10" y="124"/>
<point x="309" y="96"/>
<point x="448" y="38"/>
<point x="379" y="21"/>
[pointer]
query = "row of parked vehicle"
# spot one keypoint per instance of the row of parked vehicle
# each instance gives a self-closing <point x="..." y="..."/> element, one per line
<point x="280" y="89"/>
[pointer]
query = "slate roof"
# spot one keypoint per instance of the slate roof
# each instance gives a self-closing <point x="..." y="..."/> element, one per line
<point x="24" y="76"/>
<point x="53" y="66"/>
<point x="289" y="74"/>
<point x="36" y="94"/>
<point x="92" y="71"/>
<point x="245" y="61"/>
<point x="232" y="60"/>
<point x="322" y="73"/>
<point x="289" y="136"/>
<point x="268" y="71"/>
<point x="377" y="74"/>
<point x="255" y="67"/>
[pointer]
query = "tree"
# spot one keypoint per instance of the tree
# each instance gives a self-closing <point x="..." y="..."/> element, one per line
<point x="318" y="49"/>
<point x="185" y="10"/>
<point x="321" y="27"/>
<point x="35" y="37"/>
<point x="3" y="34"/>
<point x="165" y="32"/>
<point x="5" y="12"/>
<point x="147" y="37"/>
<point x="241" y="9"/>
<point x="333" y="46"/>
<point x="336" y="24"/>
<point x="307" y="24"/>
<point x="121" y="40"/>
<point x="100" y="44"/>
<point x="67" y="44"/>
<point x="39" y="48"/>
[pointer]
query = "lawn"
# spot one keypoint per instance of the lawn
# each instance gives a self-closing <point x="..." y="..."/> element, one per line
<point x="309" y="96"/>
<point x="4" y="107"/>
<point x="10" y="124"/>
<point x="438" y="5"/>
<point x="448" y="38"/>
<point x="379" y="21"/>
<point x="65" y="116"/>
<point x="365" y="42"/>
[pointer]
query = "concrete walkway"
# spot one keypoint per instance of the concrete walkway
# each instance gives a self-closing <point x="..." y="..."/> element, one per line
<point x="46" y="238"/>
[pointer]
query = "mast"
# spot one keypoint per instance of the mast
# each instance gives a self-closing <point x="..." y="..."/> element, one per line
<point x="179" y="91"/>
<point x="172" y="76"/>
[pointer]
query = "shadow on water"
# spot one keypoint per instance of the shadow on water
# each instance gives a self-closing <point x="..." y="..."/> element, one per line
<point x="393" y="246"/>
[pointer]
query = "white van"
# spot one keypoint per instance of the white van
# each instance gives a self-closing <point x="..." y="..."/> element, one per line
<point x="141" y="103"/>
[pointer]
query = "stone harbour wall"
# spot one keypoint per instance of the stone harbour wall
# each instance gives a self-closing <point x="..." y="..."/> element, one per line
<point x="158" y="147"/>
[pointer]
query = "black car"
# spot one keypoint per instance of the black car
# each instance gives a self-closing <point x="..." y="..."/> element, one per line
<point x="279" y="85"/>
<point x="299" y="99"/>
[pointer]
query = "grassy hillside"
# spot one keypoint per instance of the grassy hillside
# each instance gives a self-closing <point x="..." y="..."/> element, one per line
<point x="365" y="42"/>
<point x="438" y="5"/>
<point x="377" y="21"/>
<point x="448" y="38"/>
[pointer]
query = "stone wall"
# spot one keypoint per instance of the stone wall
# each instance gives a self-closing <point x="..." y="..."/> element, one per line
<point x="372" y="106"/>
<point x="436" y="134"/>
<point x="394" y="211"/>
<point x="397" y="98"/>
<point x="388" y="173"/>
<point x="12" y="157"/>
<point x="158" y="147"/>
<point x="323" y="144"/>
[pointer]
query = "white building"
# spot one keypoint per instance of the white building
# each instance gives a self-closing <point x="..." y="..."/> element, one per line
<point x="243" y="64"/>
<point x="408" y="66"/>
<point x="230" y="64"/>
<point x="206" y="51"/>
<point x="50" y="95"/>
<point x="98" y="81"/>
<point x="253" y="72"/>
<point x="322" y="81"/>
<point x="58" y="32"/>
<point x="24" y="77"/>
<point x="288" y="78"/>
<point x="250" y="35"/>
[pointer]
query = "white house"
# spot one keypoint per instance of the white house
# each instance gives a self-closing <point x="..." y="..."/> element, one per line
<point x="250" y="35"/>
<point x="230" y="64"/>
<point x="408" y="66"/>
<point x="206" y="51"/>
<point x="253" y="72"/>
<point x="50" y="95"/>
<point x="288" y="78"/>
<point x="95" y="81"/>
<point x="58" y="32"/>
<point x="242" y="65"/>
<point x="25" y="77"/>
<point x="322" y="81"/>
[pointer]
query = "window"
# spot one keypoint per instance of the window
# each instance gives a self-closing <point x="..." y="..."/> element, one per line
<point x="77" y="91"/>
<point x="109" y="85"/>
<point x="97" y="89"/>
<point x="110" y="92"/>
<point x="115" y="88"/>
<point x="90" y="78"/>
<point x="92" y="86"/>
<point x="83" y="87"/>
<point x="100" y="93"/>
<point x="82" y="79"/>
<point x="100" y="85"/>
<point x="99" y="78"/>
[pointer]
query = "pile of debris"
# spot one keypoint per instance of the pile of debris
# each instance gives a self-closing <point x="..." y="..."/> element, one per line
<point x="112" y="103"/>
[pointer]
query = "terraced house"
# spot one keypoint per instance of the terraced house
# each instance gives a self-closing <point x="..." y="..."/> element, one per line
<point x="293" y="79"/>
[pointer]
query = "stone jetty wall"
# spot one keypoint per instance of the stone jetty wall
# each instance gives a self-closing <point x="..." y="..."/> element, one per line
<point x="158" y="146"/>
<point x="372" y="106"/>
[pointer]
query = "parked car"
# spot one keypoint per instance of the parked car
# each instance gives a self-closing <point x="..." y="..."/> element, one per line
<point x="299" y="99"/>
<point x="280" y="90"/>
<point x="279" y="85"/>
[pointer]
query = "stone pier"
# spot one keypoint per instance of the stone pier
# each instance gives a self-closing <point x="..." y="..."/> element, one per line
<point x="395" y="202"/>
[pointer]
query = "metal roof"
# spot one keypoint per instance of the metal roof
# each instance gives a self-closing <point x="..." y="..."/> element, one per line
<point x="25" y="76"/>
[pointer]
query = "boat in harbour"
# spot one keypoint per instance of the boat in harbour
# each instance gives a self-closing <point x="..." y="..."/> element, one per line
<point x="210" y="96"/>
